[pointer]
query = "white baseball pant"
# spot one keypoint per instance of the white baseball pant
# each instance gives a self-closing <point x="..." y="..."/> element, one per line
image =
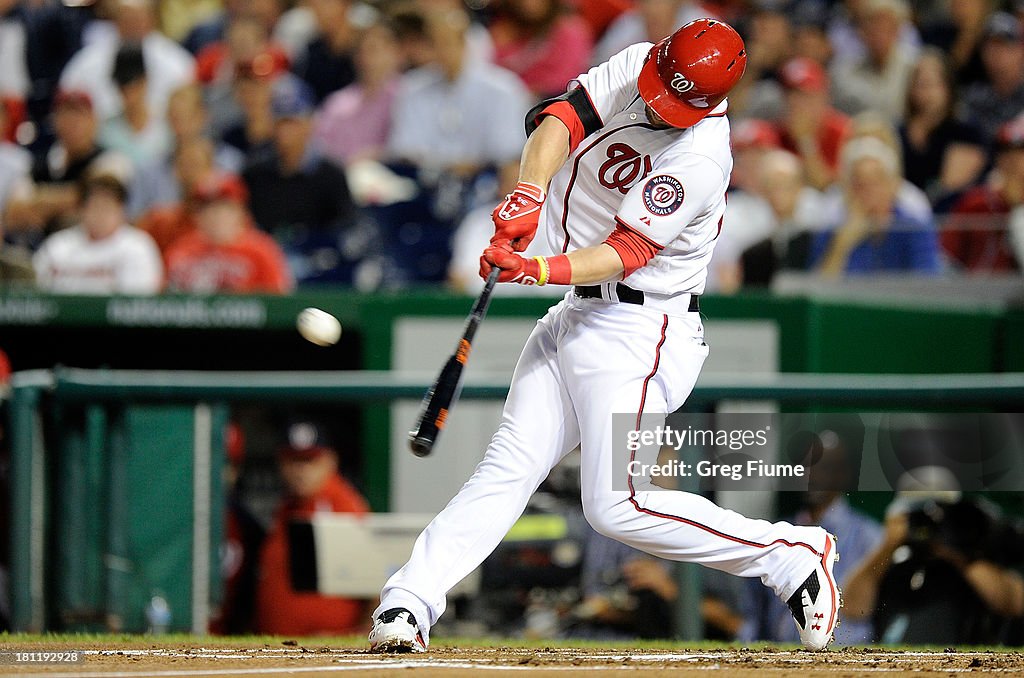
<point x="585" y="360"/>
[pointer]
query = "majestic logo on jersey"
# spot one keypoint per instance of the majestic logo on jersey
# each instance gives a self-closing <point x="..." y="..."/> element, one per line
<point x="663" y="195"/>
<point x="681" y="83"/>
<point x="624" y="168"/>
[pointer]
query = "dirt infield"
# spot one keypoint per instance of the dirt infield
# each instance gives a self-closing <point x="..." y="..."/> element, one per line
<point x="141" y="658"/>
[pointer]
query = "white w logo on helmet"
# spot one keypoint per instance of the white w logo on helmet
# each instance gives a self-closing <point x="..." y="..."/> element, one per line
<point x="681" y="83"/>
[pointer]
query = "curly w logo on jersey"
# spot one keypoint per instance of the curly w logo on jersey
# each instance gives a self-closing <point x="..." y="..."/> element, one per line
<point x="624" y="168"/>
<point x="663" y="195"/>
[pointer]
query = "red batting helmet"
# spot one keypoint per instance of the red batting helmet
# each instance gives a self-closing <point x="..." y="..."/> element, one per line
<point x="690" y="72"/>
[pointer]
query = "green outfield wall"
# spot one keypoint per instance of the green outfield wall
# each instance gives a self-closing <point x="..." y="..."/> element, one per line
<point x="255" y="332"/>
<point x="112" y="470"/>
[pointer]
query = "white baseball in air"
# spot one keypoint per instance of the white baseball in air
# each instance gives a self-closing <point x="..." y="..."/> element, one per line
<point x="319" y="327"/>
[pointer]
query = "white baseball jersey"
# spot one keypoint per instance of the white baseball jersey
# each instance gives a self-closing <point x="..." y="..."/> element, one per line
<point x="668" y="184"/>
<point x="126" y="262"/>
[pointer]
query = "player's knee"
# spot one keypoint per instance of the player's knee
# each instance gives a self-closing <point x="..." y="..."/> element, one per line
<point x="600" y="524"/>
<point x="607" y="515"/>
<point x="507" y="460"/>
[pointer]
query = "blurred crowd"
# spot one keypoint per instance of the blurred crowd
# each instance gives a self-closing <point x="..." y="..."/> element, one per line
<point x="250" y="146"/>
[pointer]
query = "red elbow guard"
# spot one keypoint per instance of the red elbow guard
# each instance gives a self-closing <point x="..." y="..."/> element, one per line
<point x="633" y="247"/>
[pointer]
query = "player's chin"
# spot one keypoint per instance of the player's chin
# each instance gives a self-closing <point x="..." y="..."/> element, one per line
<point x="656" y="120"/>
<point x="653" y="118"/>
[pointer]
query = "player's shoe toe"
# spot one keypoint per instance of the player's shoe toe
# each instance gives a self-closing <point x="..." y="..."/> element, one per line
<point x="815" y="605"/>
<point x="395" y="630"/>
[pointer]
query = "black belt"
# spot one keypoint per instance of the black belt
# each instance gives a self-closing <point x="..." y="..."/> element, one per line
<point x="627" y="295"/>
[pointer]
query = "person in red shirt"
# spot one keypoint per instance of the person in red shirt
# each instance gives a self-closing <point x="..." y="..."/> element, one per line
<point x="245" y="45"/>
<point x="226" y="253"/>
<point x="309" y="469"/>
<point x="542" y="42"/>
<point x="810" y="127"/>
<point x="193" y="164"/>
<point x="599" y="14"/>
<point x="977" y="235"/>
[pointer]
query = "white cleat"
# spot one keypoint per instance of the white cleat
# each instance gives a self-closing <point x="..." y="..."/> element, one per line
<point x="815" y="605"/>
<point x="395" y="630"/>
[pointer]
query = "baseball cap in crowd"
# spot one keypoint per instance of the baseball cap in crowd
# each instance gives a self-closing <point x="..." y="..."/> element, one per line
<point x="264" y="66"/>
<point x="1010" y="136"/>
<point x="1003" y="26"/>
<point x="220" y="187"/>
<point x="305" y="441"/>
<point x="291" y="98"/>
<point x="806" y="75"/>
<point x="72" y="98"/>
<point x="754" y="133"/>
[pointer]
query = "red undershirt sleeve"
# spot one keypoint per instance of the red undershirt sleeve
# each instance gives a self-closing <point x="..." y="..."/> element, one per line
<point x="576" y="111"/>
<point x="634" y="248"/>
<point x="564" y="111"/>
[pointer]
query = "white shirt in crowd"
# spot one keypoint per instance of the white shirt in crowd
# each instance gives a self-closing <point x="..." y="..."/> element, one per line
<point x="858" y="86"/>
<point x="14" y="74"/>
<point x="476" y="119"/>
<point x="168" y="67"/>
<point x="126" y="262"/>
<point x="15" y="169"/>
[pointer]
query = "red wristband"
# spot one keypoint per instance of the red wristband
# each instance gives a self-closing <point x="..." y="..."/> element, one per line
<point x="558" y="270"/>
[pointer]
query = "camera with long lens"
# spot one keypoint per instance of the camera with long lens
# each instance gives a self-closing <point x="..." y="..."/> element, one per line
<point x="972" y="526"/>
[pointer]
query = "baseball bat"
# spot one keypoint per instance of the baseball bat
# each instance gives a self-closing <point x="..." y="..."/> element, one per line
<point x="443" y="395"/>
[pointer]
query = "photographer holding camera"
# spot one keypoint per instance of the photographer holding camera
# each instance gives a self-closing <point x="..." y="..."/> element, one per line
<point x="946" y="572"/>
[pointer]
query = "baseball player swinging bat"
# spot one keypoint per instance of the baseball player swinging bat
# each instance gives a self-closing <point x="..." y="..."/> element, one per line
<point x="438" y="401"/>
<point x="636" y="159"/>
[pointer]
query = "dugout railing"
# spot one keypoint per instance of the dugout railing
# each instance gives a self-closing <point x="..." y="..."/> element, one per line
<point x="106" y="510"/>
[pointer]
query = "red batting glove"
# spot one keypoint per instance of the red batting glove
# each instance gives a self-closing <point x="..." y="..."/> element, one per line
<point x="514" y="268"/>
<point x="516" y="218"/>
